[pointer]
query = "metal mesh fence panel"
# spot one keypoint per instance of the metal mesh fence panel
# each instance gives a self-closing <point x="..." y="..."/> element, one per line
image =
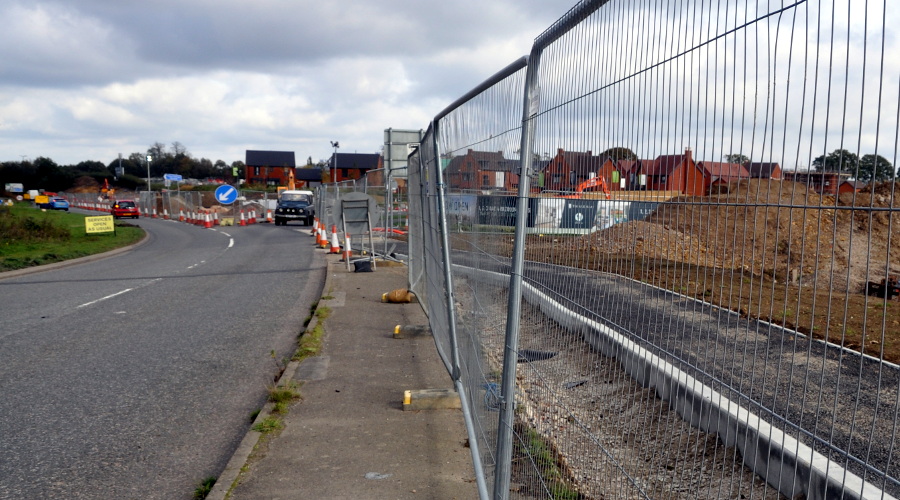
<point x="389" y="220"/>
<point x="709" y="253"/>
<point x="732" y="285"/>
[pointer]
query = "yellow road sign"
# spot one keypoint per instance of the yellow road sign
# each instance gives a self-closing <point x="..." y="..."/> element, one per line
<point x="99" y="224"/>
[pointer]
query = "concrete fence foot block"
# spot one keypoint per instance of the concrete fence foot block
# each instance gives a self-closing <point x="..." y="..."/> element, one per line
<point x="431" y="399"/>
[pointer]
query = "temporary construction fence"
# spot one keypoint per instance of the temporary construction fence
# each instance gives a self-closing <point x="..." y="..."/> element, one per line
<point x="195" y="207"/>
<point x="389" y="215"/>
<point x="725" y="324"/>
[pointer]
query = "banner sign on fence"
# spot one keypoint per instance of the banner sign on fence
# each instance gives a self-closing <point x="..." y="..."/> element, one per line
<point x="99" y="224"/>
<point x="548" y="214"/>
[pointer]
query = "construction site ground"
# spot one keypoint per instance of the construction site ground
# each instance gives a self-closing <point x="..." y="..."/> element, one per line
<point x="772" y="250"/>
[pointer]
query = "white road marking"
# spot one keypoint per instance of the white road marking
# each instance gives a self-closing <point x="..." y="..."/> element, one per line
<point x="107" y="297"/>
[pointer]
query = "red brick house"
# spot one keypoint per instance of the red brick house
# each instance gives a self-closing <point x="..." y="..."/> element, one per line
<point x="630" y="171"/>
<point x="715" y="172"/>
<point x="270" y="168"/>
<point x="820" y="182"/>
<point x="569" y="168"/>
<point x="482" y="170"/>
<point x="764" y="170"/>
<point x="851" y="186"/>
<point x="352" y="166"/>
<point x="675" y="173"/>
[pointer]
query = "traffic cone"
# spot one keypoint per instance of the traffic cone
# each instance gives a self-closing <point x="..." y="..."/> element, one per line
<point x="315" y="227"/>
<point x="252" y="217"/>
<point x="269" y="215"/>
<point x="323" y="237"/>
<point x="335" y="246"/>
<point x="154" y="213"/>
<point x="345" y="257"/>
<point x="215" y="218"/>
<point x="181" y="215"/>
<point x="166" y="214"/>
<point x="243" y="222"/>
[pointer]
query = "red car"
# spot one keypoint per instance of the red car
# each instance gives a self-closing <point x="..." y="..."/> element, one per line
<point x="125" y="208"/>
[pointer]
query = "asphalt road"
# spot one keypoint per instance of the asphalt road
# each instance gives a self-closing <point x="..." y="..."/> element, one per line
<point x="135" y="376"/>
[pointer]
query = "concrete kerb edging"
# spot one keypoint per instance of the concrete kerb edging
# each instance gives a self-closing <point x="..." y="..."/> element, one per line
<point x="232" y="472"/>
<point x="785" y="463"/>
<point x="73" y="262"/>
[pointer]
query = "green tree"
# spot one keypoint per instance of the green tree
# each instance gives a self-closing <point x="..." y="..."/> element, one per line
<point x="619" y="153"/>
<point x="736" y="158"/>
<point x="874" y="168"/>
<point x="839" y="160"/>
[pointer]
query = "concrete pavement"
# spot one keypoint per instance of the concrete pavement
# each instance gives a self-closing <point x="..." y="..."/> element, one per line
<point x="349" y="436"/>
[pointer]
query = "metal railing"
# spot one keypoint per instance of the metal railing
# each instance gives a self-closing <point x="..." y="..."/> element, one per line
<point x="724" y="325"/>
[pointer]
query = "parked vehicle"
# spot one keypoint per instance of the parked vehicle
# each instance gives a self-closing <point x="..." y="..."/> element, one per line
<point x="295" y="205"/>
<point x="125" y="208"/>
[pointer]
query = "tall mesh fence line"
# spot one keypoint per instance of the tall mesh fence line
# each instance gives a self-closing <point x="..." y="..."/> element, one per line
<point x="697" y="203"/>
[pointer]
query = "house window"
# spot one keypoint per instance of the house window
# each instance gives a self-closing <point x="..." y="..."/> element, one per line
<point x="255" y="170"/>
<point x="485" y="180"/>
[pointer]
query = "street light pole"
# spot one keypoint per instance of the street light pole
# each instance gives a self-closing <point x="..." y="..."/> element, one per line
<point x="149" y="159"/>
<point x="335" y="145"/>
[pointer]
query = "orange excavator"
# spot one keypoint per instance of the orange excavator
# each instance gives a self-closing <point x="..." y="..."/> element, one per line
<point x="593" y="182"/>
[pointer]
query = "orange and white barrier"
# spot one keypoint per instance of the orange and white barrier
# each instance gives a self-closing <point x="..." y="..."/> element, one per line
<point x="323" y="236"/>
<point x="335" y="246"/>
<point x="346" y="254"/>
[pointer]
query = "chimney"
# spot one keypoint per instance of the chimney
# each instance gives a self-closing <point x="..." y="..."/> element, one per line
<point x="687" y="153"/>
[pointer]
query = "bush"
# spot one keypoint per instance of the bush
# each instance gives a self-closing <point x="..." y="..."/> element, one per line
<point x="30" y="229"/>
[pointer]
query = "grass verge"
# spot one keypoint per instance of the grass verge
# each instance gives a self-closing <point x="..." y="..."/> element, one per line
<point x="32" y="237"/>
<point x="310" y="342"/>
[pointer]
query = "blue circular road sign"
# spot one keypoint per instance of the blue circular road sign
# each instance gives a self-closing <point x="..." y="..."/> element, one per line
<point x="226" y="194"/>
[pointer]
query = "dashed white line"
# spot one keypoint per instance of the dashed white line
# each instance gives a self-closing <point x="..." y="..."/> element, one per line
<point x="107" y="297"/>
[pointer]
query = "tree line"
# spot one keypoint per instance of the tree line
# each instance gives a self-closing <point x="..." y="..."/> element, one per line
<point x="868" y="168"/>
<point x="44" y="173"/>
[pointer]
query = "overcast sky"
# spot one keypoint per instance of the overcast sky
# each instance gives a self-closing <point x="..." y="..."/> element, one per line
<point x="88" y="80"/>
